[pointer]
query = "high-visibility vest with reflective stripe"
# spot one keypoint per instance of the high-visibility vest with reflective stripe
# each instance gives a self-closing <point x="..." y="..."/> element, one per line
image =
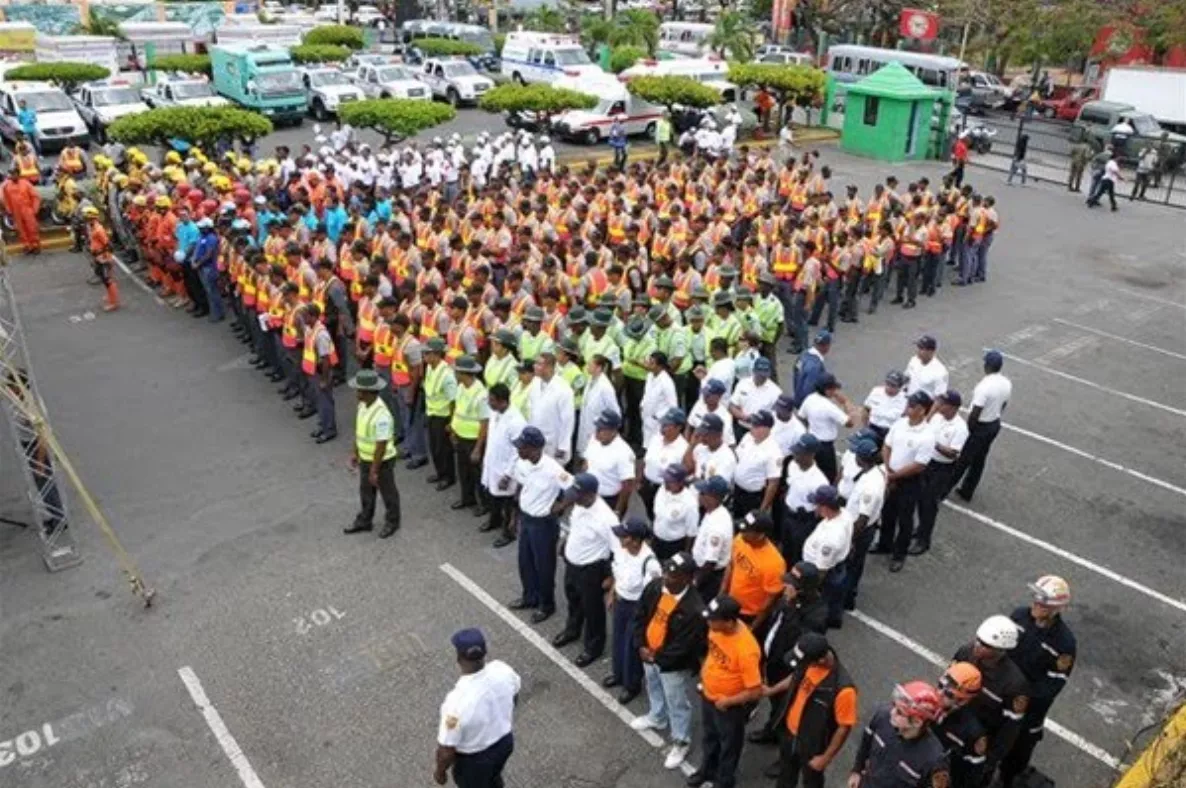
<point x="530" y="345"/>
<point x="467" y="423"/>
<point x="500" y="370"/>
<point x="429" y="320"/>
<point x="785" y="262"/>
<point x="364" y="423"/>
<point x="309" y="358"/>
<point x="934" y="238"/>
<point x="453" y="347"/>
<point x="290" y="334"/>
<point x="368" y="314"/>
<point x="401" y="372"/>
<point x="384" y="344"/>
<point x="521" y="398"/>
<point x="634" y="357"/>
<point x="319" y="295"/>
<point x="27" y="166"/>
<point x="436" y="401"/>
<point x="247" y="282"/>
<point x="598" y="284"/>
<point x="574" y="377"/>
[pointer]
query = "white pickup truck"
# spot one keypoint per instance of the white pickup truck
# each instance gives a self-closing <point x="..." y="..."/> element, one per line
<point x="100" y="103"/>
<point x="455" y="80"/>
<point x="182" y="92"/>
<point x="326" y="88"/>
<point x="391" y="80"/>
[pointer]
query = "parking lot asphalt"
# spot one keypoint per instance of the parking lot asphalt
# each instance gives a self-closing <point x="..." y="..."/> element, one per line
<point x="323" y="658"/>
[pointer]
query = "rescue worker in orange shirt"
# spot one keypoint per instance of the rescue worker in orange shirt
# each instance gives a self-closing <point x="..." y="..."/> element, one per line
<point x="754" y="574"/>
<point x="99" y="243"/>
<point x="23" y="204"/>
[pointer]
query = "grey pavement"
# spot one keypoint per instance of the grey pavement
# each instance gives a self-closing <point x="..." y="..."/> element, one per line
<point x="327" y="656"/>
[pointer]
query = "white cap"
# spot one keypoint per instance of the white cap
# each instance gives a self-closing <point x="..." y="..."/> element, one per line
<point x="261" y="200"/>
<point x="179" y="256"/>
<point x="999" y="632"/>
<point x="545" y="139"/>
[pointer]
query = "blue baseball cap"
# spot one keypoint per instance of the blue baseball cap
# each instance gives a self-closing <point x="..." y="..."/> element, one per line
<point x="763" y="365"/>
<point x="993" y="359"/>
<point x="608" y="420"/>
<point x="920" y="398"/>
<point x="926" y="342"/>
<point x="713" y="386"/>
<point x="952" y="397"/>
<point x="823" y="338"/>
<point x="635" y="527"/>
<point x="785" y="402"/>
<point x="674" y="417"/>
<point x="715" y="486"/>
<point x="530" y="436"/>
<point x="866" y="449"/>
<point x="895" y="378"/>
<point x="807" y="444"/>
<point x="825" y="495"/>
<point x="583" y="483"/>
<point x="675" y="473"/>
<point x="757" y="521"/>
<point x="470" y="643"/>
<point x="762" y="418"/>
<point x="711" y="422"/>
<point x="864" y="433"/>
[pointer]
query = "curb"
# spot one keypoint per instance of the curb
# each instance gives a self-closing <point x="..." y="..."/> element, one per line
<point x="648" y="152"/>
<point x="1147" y="771"/>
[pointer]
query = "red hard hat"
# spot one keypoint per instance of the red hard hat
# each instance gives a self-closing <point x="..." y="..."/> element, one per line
<point x="918" y="700"/>
<point x="195" y="196"/>
<point x="209" y="207"/>
<point x="242" y="195"/>
<point x="183" y="189"/>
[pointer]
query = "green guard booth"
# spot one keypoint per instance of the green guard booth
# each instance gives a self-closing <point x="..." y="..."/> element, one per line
<point x="887" y="116"/>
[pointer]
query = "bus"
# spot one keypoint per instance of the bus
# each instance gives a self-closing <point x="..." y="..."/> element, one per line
<point x="849" y="63"/>
<point x="686" y="39"/>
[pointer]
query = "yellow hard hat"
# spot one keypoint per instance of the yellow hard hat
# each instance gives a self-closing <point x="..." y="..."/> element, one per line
<point x="134" y="152"/>
<point x="197" y="154"/>
<point x="90" y="212"/>
<point x="244" y="164"/>
<point x="164" y="202"/>
<point x="229" y="155"/>
<point x="209" y="168"/>
<point x="121" y="179"/>
<point x="140" y="200"/>
<point x="69" y="186"/>
<point x="177" y="176"/>
<point x="138" y="158"/>
<point x="173" y="157"/>
<point x="135" y="180"/>
<point x="102" y="162"/>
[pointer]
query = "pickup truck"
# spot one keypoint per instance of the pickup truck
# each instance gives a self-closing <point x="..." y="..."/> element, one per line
<point x="391" y="80"/>
<point x="326" y="89"/>
<point x="182" y="93"/>
<point x="100" y="103"/>
<point x="455" y="80"/>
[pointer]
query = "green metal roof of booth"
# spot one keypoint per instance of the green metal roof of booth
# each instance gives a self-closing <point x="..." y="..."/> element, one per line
<point x="893" y="81"/>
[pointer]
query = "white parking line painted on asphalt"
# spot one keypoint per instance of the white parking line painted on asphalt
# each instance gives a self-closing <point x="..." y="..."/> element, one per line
<point x="936" y="659"/>
<point x="1094" y="385"/>
<point x="229" y="746"/>
<point x="1088" y="564"/>
<point x="135" y="279"/>
<point x="555" y="657"/>
<point x="1148" y="297"/>
<point x="1126" y="340"/>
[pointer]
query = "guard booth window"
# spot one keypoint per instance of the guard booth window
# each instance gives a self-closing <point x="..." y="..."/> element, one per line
<point x="872" y="105"/>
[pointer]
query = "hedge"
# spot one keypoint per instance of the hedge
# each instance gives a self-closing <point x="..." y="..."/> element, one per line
<point x="395" y="118"/>
<point x="538" y="97"/>
<point x="319" y="53"/>
<point x="446" y="47"/>
<point x="798" y="85"/>
<point x="669" y="91"/>
<point x="335" y="35"/>
<point x="197" y="125"/>
<point x="186" y="64"/>
<point x="65" y="75"/>
<point x="623" y="57"/>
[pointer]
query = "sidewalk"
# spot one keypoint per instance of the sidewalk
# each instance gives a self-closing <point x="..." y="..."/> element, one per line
<point x="1053" y="170"/>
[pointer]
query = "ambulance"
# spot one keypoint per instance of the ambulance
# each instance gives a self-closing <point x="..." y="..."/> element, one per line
<point x="592" y="126"/>
<point x="545" y="57"/>
<point x="709" y="71"/>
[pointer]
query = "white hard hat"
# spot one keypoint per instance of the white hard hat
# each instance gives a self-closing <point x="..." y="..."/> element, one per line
<point x="998" y="632"/>
<point x="1051" y="591"/>
<point x="179" y="256"/>
<point x="545" y="139"/>
<point x="436" y="140"/>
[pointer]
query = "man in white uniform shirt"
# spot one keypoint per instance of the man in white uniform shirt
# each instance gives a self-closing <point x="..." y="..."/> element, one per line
<point x="664" y="449"/>
<point x="787" y="426"/>
<point x="634" y="565"/>
<point x="989" y="399"/>
<point x="754" y="393"/>
<point x="475" y="737"/>
<point x="863" y="504"/>
<point x="712" y="400"/>
<point x="798" y="516"/>
<point x="708" y="455"/>
<point x="541" y="480"/>
<point x="908" y="450"/>
<point x="498" y="462"/>
<point x="713" y="547"/>
<point x="611" y="460"/>
<point x="677" y="513"/>
<point x="886" y="403"/>
<point x="587" y="548"/>
<point x="825" y="411"/>
<point x="599" y="397"/>
<point x="951" y="433"/>
<point x="828" y="546"/>
<point x="759" y="467"/>
<point x="924" y="372"/>
<point x="552" y="409"/>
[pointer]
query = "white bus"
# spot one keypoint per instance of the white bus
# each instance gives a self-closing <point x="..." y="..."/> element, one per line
<point x="849" y="63"/>
<point x="689" y="39"/>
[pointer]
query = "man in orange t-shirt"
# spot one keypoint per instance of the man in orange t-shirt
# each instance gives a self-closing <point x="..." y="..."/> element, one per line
<point x="754" y="574"/>
<point x="821" y="714"/>
<point x="730" y="682"/>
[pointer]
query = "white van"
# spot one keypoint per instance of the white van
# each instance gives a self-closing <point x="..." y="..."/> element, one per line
<point x="58" y="122"/>
<point x="709" y="71"/>
<point x="545" y="57"/>
<point x="591" y="126"/>
<point x="689" y="39"/>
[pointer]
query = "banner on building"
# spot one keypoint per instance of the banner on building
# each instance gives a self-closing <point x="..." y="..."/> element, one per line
<point x="917" y="24"/>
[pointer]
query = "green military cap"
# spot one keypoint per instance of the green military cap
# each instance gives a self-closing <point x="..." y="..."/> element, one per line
<point x="610" y="300"/>
<point x="655" y="312"/>
<point x="506" y="338"/>
<point x="367" y="380"/>
<point x="434" y="345"/>
<point x="533" y="314"/>
<point x="726" y="271"/>
<point x="722" y="298"/>
<point x="743" y="294"/>
<point x="569" y="346"/>
<point x="602" y="316"/>
<point x="641" y="300"/>
<point x="577" y="316"/>
<point x="468" y="365"/>
<point x="636" y="328"/>
<point x="767" y="278"/>
<point x="665" y="282"/>
<point x="700" y="291"/>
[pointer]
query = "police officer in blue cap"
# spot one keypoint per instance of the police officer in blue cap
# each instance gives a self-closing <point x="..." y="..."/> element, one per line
<point x="475" y="738"/>
<point x="810" y="368"/>
<point x="863" y="502"/>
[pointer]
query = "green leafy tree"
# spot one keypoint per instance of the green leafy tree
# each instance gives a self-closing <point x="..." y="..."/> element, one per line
<point x="622" y="58"/>
<point x="1161" y="24"/>
<point x="541" y="99"/>
<point x="791" y="86"/>
<point x="319" y="53"/>
<point x="335" y="35"/>
<point x="545" y="19"/>
<point x="635" y="27"/>
<point x="65" y="75"/>
<point x="99" y="25"/>
<point x="595" y="29"/>
<point x="186" y="64"/>
<point x="396" y="119"/>
<point x="500" y="40"/>
<point x="446" y="47"/>
<point x="670" y="91"/>
<point x="735" y="35"/>
<point x="196" y="125"/>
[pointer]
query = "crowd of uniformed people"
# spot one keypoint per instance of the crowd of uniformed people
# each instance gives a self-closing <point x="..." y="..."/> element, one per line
<point x="560" y="342"/>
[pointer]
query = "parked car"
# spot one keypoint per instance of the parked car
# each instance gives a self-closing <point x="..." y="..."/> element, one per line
<point x="327" y="88"/>
<point x="100" y="103"/>
<point x="391" y="80"/>
<point x="58" y="122"/>
<point x="979" y="92"/>
<point x="1067" y="107"/>
<point x="182" y="92"/>
<point x="455" y="80"/>
<point x="1097" y="119"/>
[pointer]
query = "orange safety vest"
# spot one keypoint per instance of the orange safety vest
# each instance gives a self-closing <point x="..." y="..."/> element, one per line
<point x="71" y="161"/>
<point x="368" y="315"/>
<point x="683" y="291"/>
<point x="247" y="284"/>
<point x="401" y="374"/>
<point x="934" y="239"/>
<point x="309" y="357"/>
<point x="749" y="273"/>
<point x="598" y="284"/>
<point x="785" y="263"/>
<point x="27" y="166"/>
<point x="453" y="347"/>
<point x="474" y="320"/>
<point x="384" y="344"/>
<point x="799" y="197"/>
<point x="712" y="279"/>
<point x="320" y="293"/>
<point x="429" y="322"/>
<point x="617" y="229"/>
<point x="276" y="309"/>
<point x="263" y="294"/>
<point x="290" y="333"/>
<point x="347" y="267"/>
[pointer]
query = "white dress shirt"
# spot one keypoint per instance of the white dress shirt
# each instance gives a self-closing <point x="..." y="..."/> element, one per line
<point x="552" y="411"/>
<point x="724" y="370"/>
<point x="868" y="495"/>
<point x="787" y="433"/>
<point x="823" y="416"/>
<point x="660" y="454"/>
<point x="752" y="398"/>
<point x="698" y="411"/>
<point x="633" y="572"/>
<point x="930" y="377"/>
<point x="677" y="515"/>
<point x="501" y="455"/>
<point x="590" y="533"/>
<point x="709" y="463"/>
<point x="800" y="484"/>
<point x="991" y="395"/>
<point x="884" y="410"/>
<point x="829" y="542"/>
<point x="757" y="463"/>
<point x="951" y="433"/>
<point x="714" y="540"/>
<point x="909" y="443"/>
<point x="540" y="483"/>
<point x="480" y="709"/>
<point x="658" y="397"/>
<point x="599" y="397"/>
<point x="611" y="463"/>
<point x="848" y="473"/>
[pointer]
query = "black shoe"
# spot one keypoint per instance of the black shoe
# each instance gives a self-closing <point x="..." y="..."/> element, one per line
<point x="611" y="681"/>
<point x="835" y="623"/>
<point x="307" y="413"/>
<point x="897" y="564"/>
<point x="909" y="305"/>
<point x="696" y="779"/>
<point x="627" y="695"/>
<point x="254" y="360"/>
<point x="772" y="771"/>
<point x="918" y="547"/>
<point x="850" y="604"/>
<point x="503" y="541"/>
<point x="290" y="395"/>
<point x="583" y="660"/>
<point x="896" y="301"/>
<point x="325" y="437"/>
<point x="357" y="528"/>
<point x="458" y="505"/>
<point x="445" y="484"/>
<point x="540" y="616"/>
<point x="414" y="464"/>
<point x="315" y="434"/>
<point x="388" y="530"/>
<point x="481" y="511"/>
<point x="879" y="550"/>
<point x="563" y="638"/>
<point x="276" y="377"/>
<point x="964" y="496"/>
<point x="486" y="527"/>
<point x="521" y="604"/>
<point x="761" y="736"/>
<point x="433" y="479"/>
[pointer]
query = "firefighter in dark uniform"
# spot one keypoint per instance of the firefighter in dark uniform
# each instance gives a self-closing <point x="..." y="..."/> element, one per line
<point x="898" y="748"/>
<point x="1004" y="692"/>
<point x="959" y="730"/>
<point x="820" y="711"/>
<point x="1045" y="654"/>
<point x="800" y="609"/>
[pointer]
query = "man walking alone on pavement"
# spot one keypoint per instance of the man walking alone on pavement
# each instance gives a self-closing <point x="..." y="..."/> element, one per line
<point x="374" y="455"/>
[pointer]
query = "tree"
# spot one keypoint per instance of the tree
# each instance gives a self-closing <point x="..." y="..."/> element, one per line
<point x="396" y="119"/>
<point x="99" y="25"/>
<point x="446" y="47"/>
<point x="595" y="29"/>
<point x="186" y="64"/>
<point x="792" y="86"/>
<point x="196" y="125"/>
<point x="635" y="27"/>
<point x="734" y="35"/>
<point x="500" y="40"/>
<point x="319" y="53"/>
<point x="622" y="58"/>
<point x="541" y="99"/>
<point x="545" y="19"/>
<point x="1161" y="24"/>
<point x="335" y="35"/>
<point x="65" y="75"/>
<point x="670" y="91"/>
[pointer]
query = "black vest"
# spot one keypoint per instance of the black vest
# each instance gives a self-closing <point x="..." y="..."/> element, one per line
<point x="818" y="722"/>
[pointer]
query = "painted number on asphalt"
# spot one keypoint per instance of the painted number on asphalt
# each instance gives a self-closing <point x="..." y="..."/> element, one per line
<point x="322" y="617"/>
<point x="74" y="726"/>
<point x="27" y="744"/>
